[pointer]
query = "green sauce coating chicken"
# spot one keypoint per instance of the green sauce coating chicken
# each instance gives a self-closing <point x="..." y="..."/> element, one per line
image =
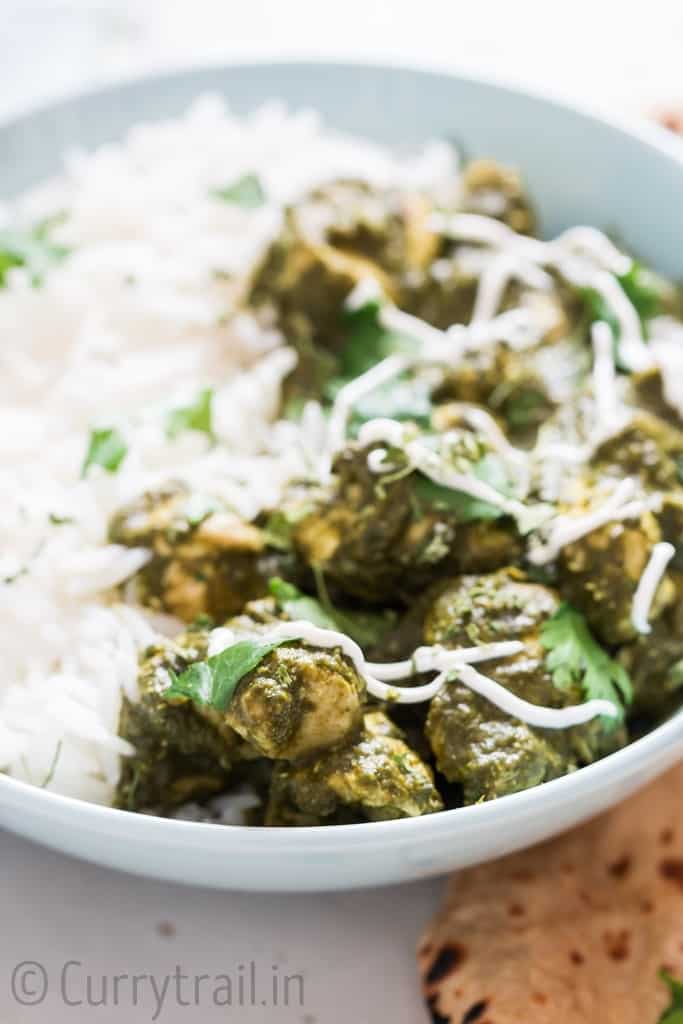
<point x="298" y="701"/>
<point x="475" y="743"/>
<point x="646" y="447"/>
<point x="181" y="754"/>
<point x="347" y="231"/>
<point x="205" y="559"/>
<point x="374" y="778"/>
<point x="337" y="236"/>
<point x="654" y="660"/>
<point x="495" y="190"/>
<point x="383" y="537"/>
<point x="600" y="572"/>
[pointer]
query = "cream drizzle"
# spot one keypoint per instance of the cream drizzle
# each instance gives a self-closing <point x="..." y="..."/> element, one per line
<point x="449" y="665"/>
<point x="604" y="378"/>
<point x="516" y="327"/>
<point x="648" y="583"/>
<point x="583" y="256"/>
<point x="483" y="423"/>
<point x="386" y="370"/>
<point x="565" y="529"/>
<point x="431" y="465"/>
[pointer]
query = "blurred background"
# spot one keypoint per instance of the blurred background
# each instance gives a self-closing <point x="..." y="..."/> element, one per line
<point x="624" y="56"/>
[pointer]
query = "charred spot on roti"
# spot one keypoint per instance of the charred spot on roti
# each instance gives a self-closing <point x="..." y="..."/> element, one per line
<point x="621" y="867"/>
<point x="578" y="959"/>
<point x="671" y="868"/>
<point x="475" y="1012"/>
<point x="436" y="1017"/>
<point x="447" y="960"/>
<point x="516" y="910"/>
<point x="617" y="945"/>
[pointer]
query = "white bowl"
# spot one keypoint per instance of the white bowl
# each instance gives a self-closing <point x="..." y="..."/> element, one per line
<point x="580" y="169"/>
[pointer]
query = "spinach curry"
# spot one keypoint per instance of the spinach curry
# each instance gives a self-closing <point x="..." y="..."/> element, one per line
<point x="500" y="482"/>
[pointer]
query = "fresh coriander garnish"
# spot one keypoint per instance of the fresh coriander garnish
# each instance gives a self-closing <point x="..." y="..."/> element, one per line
<point x="644" y="290"/>
<point x="406" y="398"/>
<point x="366" y="628"/>
<point x="199" y="507"/>
<point x="368" y="342"/>
<point x="57" y="520"/>
<point x="213" y="682"/>
<point x="575" y="657"/>
<point x="31" y="249"/>
<point x="298" y="605"/>
<point x="246" y="192"/>
<point x="280" y="524"/>
<point x="197" y="416"/>
<point x="107" y="448"/>
<point x="674" y="1012"/>
<point x="489" y="469"/>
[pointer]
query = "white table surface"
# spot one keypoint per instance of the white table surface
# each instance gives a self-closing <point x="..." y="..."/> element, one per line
<point x="355" y="951"/>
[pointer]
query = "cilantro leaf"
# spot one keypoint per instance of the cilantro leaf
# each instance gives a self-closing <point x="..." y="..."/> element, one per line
<point x="214" y="681"/>
<point x="673" y="1013"/>
<point x="31" y="249"/>
<point x="644" y="289"/>
<point x="489" y="469"/>
<point x="575" y="657"/>
<point x="674" y="1016"/>
<point x="246" y="192"/>
<point x="277" y="531"/>
<point x="400" y="399"/>
<point x="198" y="416"/>
<point x="366" y="628"/>
<point x="598" y="309"/>
<point x="107" y="448"/>
<point x="368" y="342"/>
<point x="199" y="507"/>
<point x="280" y="524"/>
<point x="298" y="605"/>
<point x="57" y="520"/>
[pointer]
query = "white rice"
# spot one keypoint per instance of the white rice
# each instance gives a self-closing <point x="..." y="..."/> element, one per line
<point x="135" y="322"/>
